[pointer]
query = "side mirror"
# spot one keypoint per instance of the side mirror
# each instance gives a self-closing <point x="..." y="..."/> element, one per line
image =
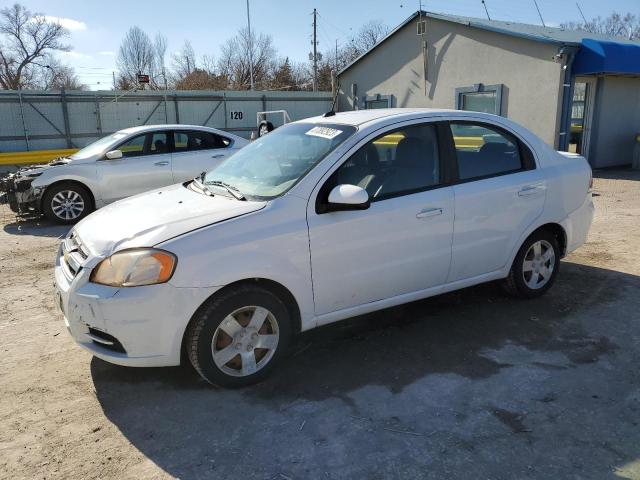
<point x="113" y="155"/>
<point x="348" y="197"/>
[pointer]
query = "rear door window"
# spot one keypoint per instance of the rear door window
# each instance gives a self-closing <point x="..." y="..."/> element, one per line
<point x="199" y="140"/>
<point x="485" y="151"/>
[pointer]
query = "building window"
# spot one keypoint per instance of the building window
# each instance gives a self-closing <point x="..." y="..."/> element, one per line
<point x="377" y="101"/>
<point x="480" y="98"/>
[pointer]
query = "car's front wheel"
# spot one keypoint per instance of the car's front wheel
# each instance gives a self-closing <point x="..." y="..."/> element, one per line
<point x="66" y="203"/>
<point x="235" y="339"/>
<point x="535" y="267"/>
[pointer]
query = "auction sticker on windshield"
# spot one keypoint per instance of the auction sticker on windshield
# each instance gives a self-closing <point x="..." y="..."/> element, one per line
<point x="324" y="132"/>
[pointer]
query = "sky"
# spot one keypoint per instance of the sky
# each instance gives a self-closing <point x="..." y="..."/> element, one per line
<point x="97" y="28"/>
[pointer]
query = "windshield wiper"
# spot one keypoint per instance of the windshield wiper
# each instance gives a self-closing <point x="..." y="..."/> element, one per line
<point x="237" y="194"/>
<point x="201" y="185"/>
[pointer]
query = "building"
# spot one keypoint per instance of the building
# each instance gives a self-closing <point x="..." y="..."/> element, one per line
<point x="578" y="91"/>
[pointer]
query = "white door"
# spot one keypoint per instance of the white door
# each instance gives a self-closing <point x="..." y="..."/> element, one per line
<point x="145" y="165"/>
<point x="402" y="242"/>
<point x="197" y="151"/>
<point x="501" y="193"/>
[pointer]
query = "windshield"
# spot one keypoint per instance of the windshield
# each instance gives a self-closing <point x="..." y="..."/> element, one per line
<point x="272" y="164"/>
<point x="97" y="147"/>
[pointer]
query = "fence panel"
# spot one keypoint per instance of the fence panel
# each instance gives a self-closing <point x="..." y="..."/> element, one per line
<point x="34" y="120"/>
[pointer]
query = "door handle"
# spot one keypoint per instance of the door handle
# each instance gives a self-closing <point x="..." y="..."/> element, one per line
<point x="219" y="155"/>
<point x="161" y="163"/>
<point x="530" y="190"/>
<point x="429" y="212"/>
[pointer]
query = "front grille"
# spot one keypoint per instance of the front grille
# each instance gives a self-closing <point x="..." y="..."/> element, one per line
<point x="73" y="255"/>
<point x="106" y="341"/>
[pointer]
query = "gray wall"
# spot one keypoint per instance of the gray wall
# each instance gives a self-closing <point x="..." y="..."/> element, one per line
<point x="40" y="116"/>
<point x="461" y="56"/>
<point x="616" y="121"/>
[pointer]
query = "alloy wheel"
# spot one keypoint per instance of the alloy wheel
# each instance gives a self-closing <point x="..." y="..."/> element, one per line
<point x="245" y="341"/>
<point x="538" y="265"/>
<point x="67" y="204"/>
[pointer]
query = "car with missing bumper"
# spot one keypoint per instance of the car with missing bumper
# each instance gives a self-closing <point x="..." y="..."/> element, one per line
<point x="321" y="220"/>
<point x="125" y="163"/>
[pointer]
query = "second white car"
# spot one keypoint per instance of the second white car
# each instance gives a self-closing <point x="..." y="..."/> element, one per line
<point x="122" y="164"/>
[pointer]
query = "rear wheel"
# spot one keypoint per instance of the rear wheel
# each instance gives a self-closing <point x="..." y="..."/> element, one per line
<point x="67" y="203"/>
<point x="237" y="338"/>
<point x="535" y="267"/>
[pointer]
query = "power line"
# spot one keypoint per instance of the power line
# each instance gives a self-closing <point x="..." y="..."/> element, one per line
<point x="538" y="8"/>
<point x="484" y="4"/>
<point x="581" y="14"/>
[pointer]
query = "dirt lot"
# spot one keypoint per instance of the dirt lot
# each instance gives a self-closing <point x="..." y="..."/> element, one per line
<point x="467" y="385"/>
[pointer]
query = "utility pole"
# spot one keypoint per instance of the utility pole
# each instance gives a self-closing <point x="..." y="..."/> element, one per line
<point x="250" y="46"/>
<point x="315" y="52"/>
<point x="336" y="55"/>
<point x="540" y="14"/>
<point x="114" y="79"/>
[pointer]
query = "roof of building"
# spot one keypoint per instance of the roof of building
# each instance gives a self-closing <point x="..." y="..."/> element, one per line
<point x="527" y="31"/>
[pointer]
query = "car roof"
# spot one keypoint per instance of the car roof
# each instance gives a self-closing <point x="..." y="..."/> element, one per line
<point x="358" y="118"/>
<point x="170" y="126"/>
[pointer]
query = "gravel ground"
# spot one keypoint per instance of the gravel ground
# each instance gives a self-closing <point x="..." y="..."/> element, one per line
<point x="471" y="384"/>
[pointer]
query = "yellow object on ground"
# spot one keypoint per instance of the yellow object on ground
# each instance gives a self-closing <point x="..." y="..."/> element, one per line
<point x="36" y="156"/>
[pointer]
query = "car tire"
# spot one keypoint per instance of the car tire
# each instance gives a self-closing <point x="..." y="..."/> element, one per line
<point x="535" y="267"/>
<point x="264" y="128"/>
<point x="222" y="340"/>
<point x="67" y="203"/>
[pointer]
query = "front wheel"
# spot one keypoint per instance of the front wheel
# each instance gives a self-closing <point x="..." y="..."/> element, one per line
<point x="66" y="203"/>
<point x="535" y="267"/>
<point x="237" y="338"/>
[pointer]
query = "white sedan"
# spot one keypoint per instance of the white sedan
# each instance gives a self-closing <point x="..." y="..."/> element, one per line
<point x="122" y="164"/>
<point x="321" y="220"/>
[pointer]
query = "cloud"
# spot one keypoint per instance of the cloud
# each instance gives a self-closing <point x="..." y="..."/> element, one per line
<point x="107" y="53"/>
<point x="68" y="23"/>
<point x="76" y="55"/>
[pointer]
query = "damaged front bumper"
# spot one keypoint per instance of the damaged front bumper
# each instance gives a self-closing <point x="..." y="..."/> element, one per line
<point x="17" y="191"/>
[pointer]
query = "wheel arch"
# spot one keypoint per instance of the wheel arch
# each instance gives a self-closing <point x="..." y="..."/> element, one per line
<point x="67" y="181"/>
<point x="274" y="287"/>
<point x="558" y="232"/>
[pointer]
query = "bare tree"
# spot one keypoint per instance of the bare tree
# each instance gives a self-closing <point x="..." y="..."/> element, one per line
<point x="160" y="50"/>
<point x="25" y="40"/>
<point x="183" y="62"/>
<point x="56" y="76"/>
<point x="615" y="25"/>
<point x="368" y="35"/>
<point x="235" y="58"/>
<point x="136" y="55"/>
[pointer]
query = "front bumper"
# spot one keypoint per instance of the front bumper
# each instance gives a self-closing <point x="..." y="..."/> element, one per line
<point x="147" y="323"/>
<point x="20" y="195"/>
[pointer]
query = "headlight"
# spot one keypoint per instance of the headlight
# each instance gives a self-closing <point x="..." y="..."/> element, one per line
<point x="135" y="267"/>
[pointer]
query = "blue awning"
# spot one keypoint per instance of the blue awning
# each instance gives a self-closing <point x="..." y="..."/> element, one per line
<point x="600" y="56"/>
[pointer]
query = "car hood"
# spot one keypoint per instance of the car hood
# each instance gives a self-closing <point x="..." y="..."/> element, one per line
<point x="150" y="218"/>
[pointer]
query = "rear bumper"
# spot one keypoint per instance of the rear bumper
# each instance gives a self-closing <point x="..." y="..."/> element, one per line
<point x="578" y="223"/>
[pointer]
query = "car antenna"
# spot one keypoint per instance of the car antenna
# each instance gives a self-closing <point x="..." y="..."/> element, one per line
<point x="332" y="112"/>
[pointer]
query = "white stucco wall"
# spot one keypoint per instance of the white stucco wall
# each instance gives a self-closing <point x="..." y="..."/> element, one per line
<point x="461" y="56"/>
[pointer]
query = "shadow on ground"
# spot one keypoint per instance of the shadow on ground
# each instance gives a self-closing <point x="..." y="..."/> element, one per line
<point x="617" y="173"/>
<point x="190" y="429"/>
<point x="36" y="226"/>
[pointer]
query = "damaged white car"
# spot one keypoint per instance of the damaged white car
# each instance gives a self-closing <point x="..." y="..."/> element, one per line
<point x="321" y="220"/>
<point x="126" y="163"/>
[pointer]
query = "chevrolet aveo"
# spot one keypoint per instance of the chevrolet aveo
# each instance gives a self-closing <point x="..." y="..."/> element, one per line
<point x="320" y="220"/>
